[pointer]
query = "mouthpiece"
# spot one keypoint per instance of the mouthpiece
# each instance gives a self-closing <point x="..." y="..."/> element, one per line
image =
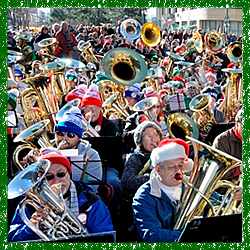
<point x="61" y="144"/>
<point x="154" y="143"/>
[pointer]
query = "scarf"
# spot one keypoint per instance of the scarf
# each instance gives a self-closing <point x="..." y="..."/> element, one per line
<point x="67" y="35"/>
<point x="237" y="133"/>
<point x="97" y="125"/>
<point x="72" y="200"/>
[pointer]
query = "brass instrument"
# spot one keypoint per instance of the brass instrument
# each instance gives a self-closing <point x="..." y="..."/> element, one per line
<point x="72" y="64"/>
<point x="47" y="51"/>
<point x="214" y="41"/>
<point x="85" y="48"/>
<point x="112" y="105"/>
<point x="233" y="93"/>
<point x="60" y="221"/>
<point x="150" y="34"/>
<point x="152" y="78"/>
<point x="181" y="125"/>
<point x="43" y="93"/>
<point x="130" y="28"/>
<point x="145" y="106"/>
<point x="35" y="137"/>
<point x="210" y="164"/>
<point x="200" y="105"/>
<point x="88" y="129"/>
<point x="172" y="59"/>
<point x="234" y="51"/>
<point x="124" y="66"/>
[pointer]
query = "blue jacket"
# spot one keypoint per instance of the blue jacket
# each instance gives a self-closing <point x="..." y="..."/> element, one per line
<point x="154" y="214"/>
<point x="98" y="216"/>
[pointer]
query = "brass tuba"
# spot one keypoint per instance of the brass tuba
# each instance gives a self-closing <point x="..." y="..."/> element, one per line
<point x="210" y="164"/>
<point x="47" y="51"/>
<point x="60" y="221"/>
<point x="89" y="57"/>
<point x="200" y="105"/>
<point x="124" y="66"/>
<point x="233" y="93"/>
<point x="214" y="41"/>
<point x="130" y="28"/>
<point x="150" y="34"/>
<point x="234" y="51"/>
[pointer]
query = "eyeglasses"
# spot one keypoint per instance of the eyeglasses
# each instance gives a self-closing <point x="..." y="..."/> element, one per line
<point x="87" y="109"/>
<point x="70" y="135"/>
<point x="59" y="175"/>
<point x="147" y="137"/>
<point x="156" y="106"/>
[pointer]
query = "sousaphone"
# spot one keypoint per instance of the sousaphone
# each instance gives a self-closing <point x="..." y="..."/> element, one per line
<point x="214" y="41"/>
<point x="150" y="34"/>
<point x="124" y="66"/>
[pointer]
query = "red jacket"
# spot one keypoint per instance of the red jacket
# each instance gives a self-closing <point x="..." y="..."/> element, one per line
<point x="61" y="39"/>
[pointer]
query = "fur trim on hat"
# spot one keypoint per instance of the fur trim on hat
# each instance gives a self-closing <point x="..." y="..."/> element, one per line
<point x="92" y="97"/>
<point x="210" y="72"/>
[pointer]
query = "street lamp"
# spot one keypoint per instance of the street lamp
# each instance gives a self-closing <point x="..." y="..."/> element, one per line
<point x="226" y="22"/>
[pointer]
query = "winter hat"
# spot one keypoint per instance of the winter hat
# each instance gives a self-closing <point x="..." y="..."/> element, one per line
<point x="169" y="149"/>
<point x="134" y="91"/>
<point x="92" y="97"/>
<point x="100" y="77"/>
<point x="231" y="65"/>
<point x="238" y="117"/>
<point x="212" y="92"/>
<point x="12" y="98"/>
<point x="176" y="71"/>
<point x="178" y="48"/>
<point x="141" y="128"/>
<point x="71" y="122"/>
<point x="76" y="93"/>
<point x="180" y="79"/>
<point x="91" y="66"/>
<point x="18" y="70"/>
<point x="56" y="158"/>
<point x="71" y="75"/>
<point x="150" y="92"/>
<point x="210" y="72"/>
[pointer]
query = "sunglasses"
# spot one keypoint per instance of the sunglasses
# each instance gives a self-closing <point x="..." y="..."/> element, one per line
<point x="70" y="135"/>
<point x="71" y="78"/>
<point x="156" y="106"/>
<point x="59" y="175"/>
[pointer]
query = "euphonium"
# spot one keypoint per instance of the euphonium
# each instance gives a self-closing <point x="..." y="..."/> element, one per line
<point x="35" y="137"/>
<point x="85" y="48"/>
<point x="150" y="34"/>
<point x="200" y="105"/>
<point x="172" y="57"/>
<point x="48" y="50"/>
<point x="233" y="93"/>
<point x="210" y="165"/>
<point x="60" y="221"/>
<point x="113" y="103"/>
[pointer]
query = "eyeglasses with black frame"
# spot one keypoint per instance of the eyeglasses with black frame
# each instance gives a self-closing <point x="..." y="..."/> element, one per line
<point x="70" y="135"/>
<point x="59" y="175"/>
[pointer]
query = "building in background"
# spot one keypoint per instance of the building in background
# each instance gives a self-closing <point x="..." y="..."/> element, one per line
<point x="228" y="20"/>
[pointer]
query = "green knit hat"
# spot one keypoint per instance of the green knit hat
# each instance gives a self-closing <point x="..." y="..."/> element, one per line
<point x="12" y="99"/>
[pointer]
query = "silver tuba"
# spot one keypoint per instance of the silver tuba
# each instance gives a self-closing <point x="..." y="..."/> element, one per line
<point x="60" y="221"/>
<point x="210" y="165"/>
<point x="130" y="28"/>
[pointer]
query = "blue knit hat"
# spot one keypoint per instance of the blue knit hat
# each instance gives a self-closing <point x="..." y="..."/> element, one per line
<point x="18" y="70"/>
<point x="71" y="122"/>
<point x="134" y="91"/>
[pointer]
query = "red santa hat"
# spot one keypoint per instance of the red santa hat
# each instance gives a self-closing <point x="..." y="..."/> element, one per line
<point x="76" y="93"/>
<point x="178" y="48"/>
<point x="210" y="72"/>
<point x="92" y="97"/>
<point x="231" y="65"/>
<point x="150" y="92"/>
<point x="169" y="149"/>
<point x="165" y="61"/>
<point x="178" y="78"/>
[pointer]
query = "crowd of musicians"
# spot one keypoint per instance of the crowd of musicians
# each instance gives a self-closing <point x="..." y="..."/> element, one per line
<point x="173" y="100"/>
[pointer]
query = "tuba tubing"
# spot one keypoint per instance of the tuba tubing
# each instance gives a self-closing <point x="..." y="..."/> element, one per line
<point x="210" y="165"/>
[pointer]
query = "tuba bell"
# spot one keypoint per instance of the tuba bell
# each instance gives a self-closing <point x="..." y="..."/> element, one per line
<point x="150" y="34"/>
<point x="214" y="41"/>
<point x="130" y="28"/>
<point x="47" y="51"/>
<point x="35" y="138"/>
<point x="210" y="164"/>
<point x="181" y="125"/>
<point x="60" y="221"/>
<point x="124" y="66"/>
<point x="234" y="51"/>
